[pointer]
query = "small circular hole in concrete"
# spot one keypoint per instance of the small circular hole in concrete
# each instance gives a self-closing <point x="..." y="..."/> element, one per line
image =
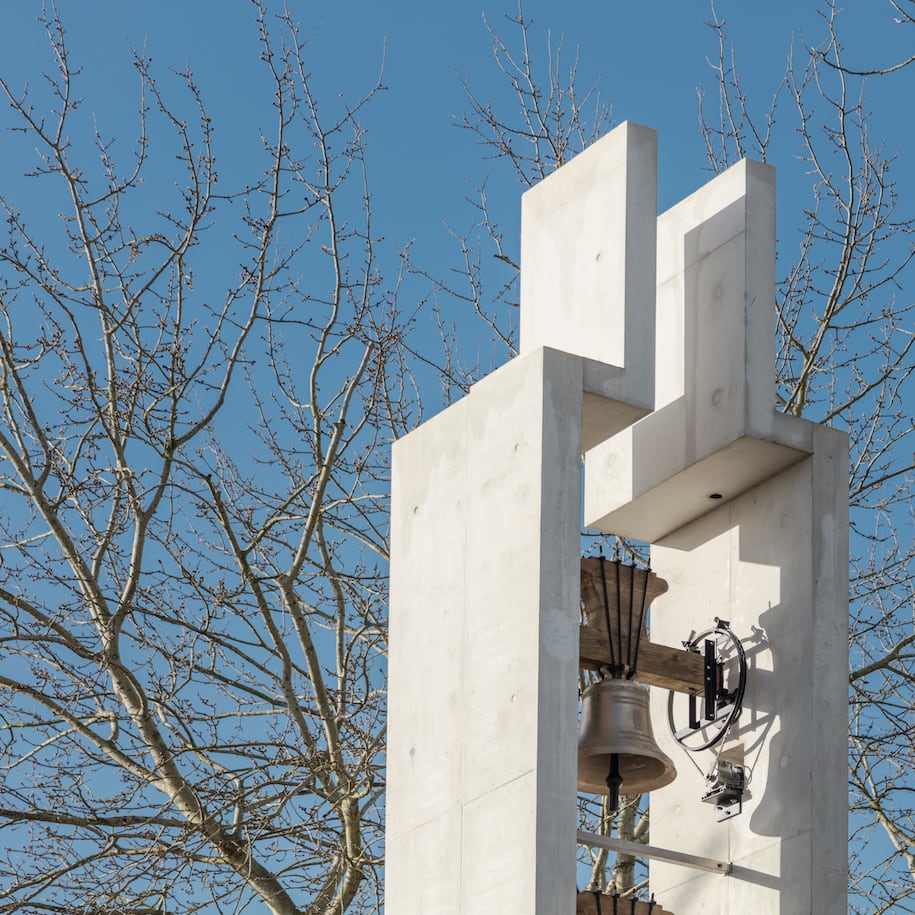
<point x="715" y="495"/>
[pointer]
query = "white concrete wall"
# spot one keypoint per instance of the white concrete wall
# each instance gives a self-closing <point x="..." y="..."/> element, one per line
<point x="486" y="519"/>
<point x="775" y="563"/>
<point x="715" y="300"/>
<point x="484" y="655"/>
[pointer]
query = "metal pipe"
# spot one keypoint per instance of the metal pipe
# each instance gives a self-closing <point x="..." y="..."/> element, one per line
<point x="651" y="851"/>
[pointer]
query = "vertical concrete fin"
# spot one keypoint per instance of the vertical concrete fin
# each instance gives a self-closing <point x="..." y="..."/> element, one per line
<point x="774" y="562"/>
<point x="587" y="256"/>
<point x="716" y="304"/>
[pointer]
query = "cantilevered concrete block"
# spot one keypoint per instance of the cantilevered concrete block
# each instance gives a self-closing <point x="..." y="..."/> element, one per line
<point x="714" y="432"/>
<point x="483" y="667"/>
<point x="588" y="258"/>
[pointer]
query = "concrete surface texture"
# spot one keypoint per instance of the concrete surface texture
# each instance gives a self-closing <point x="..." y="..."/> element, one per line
<point x="774" y="563"/>
<point x="484" y="656"/>
<point x="661" y="372"/>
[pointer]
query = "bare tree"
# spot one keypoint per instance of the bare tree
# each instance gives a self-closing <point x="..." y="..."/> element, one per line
<point x="199" y="387"/>
<point x="903" y="14"/>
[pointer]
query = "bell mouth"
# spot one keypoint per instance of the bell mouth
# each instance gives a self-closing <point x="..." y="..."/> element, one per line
<point x="615" y="721"/>
<point x="639" y="774"/>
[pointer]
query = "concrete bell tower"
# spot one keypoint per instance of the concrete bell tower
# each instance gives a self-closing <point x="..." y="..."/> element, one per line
<point x="647" y="351"/>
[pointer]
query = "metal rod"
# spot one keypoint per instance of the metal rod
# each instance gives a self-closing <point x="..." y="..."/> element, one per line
<point x="613" y="783"/>
<point x="603" y="581"/>
<point x="650" y="851"/>
<point x="635" y="660"/>
<point x="619" y="620"/>
<point x="629" y="662"/>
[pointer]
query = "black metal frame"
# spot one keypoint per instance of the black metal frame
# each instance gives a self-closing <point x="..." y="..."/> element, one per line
<point x="721" y="707"/>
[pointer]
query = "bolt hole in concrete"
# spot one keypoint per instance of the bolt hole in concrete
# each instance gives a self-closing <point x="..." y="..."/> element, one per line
<point x="715" y="495"/>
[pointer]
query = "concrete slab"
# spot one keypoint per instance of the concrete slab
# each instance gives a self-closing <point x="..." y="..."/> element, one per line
<point x="627" y="494"/>
<point x="588" y="237"/>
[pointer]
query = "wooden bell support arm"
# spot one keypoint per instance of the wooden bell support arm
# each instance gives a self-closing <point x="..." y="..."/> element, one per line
<point x="658" y="665"/>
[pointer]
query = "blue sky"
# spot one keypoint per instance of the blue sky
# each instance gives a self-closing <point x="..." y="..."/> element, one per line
<point x="648" y="59"/>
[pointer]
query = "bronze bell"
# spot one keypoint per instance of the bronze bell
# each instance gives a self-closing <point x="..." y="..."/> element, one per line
<point x="617" y="752"/>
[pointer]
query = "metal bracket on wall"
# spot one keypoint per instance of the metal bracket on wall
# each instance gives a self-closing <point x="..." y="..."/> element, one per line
<point x="727" y="782"/>
<point x="724" y="683"/>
